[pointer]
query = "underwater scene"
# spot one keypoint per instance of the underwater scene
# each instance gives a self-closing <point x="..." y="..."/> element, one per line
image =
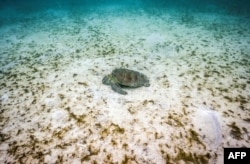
<point x="123" y="81"/>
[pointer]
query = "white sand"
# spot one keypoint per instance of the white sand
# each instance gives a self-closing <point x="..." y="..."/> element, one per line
<point x="55" y="109"/>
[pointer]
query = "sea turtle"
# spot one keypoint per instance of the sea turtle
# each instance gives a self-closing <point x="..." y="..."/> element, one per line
<point x="122" y="77"/>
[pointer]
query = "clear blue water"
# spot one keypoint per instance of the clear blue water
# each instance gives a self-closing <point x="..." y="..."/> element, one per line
<point x="12" y="9"/>
<point x="231" y="6"/>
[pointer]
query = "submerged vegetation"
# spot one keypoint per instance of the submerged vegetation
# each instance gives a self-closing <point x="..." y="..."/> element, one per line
<point x="56" y="109"/>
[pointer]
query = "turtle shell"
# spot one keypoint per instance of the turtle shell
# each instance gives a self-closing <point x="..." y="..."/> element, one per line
<point x="130" y="78"/>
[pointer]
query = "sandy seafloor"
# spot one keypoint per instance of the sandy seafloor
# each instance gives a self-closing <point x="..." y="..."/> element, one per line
<point x="55" y="109"/>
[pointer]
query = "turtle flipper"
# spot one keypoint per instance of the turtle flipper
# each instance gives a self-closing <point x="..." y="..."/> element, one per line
<point x="118" y="89"/>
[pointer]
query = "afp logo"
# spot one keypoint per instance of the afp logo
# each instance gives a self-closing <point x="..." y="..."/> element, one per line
<point x="236" y="155"/>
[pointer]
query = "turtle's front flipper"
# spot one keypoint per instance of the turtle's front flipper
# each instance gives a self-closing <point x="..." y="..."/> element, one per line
<point x="118" y="89"/>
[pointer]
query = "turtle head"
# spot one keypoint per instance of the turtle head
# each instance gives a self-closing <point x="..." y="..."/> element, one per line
<point x="109" y="79"/>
